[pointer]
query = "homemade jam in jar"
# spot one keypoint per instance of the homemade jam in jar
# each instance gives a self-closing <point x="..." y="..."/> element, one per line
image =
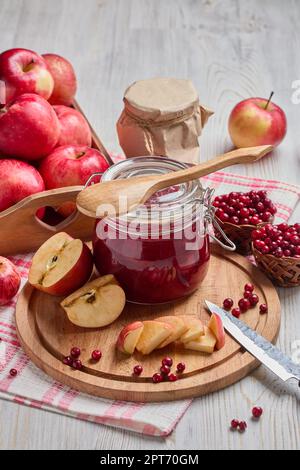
<point x="159" y="252"/>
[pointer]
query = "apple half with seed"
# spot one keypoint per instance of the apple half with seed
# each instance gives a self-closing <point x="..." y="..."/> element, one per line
<point x="153" y="334"/>
<point x="195" y="329"/>
<point x="216" y="326"/>
<point x="98" y="303"/>
<point x="178" y="326"/>
<point x="61" y="265"/>
<point x="205" y="343"/>
<point x="129" y="337"/>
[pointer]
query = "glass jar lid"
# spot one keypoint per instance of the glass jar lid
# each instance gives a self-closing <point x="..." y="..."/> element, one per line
<point x="172" y="199"/>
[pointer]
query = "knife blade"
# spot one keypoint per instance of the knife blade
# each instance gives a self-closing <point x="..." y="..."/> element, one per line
<point x="268" y="354"/>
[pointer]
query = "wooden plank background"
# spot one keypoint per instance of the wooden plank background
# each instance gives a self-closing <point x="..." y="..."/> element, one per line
<point x="231" y="49"/>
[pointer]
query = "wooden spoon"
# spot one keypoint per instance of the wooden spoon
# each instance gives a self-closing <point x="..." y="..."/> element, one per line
<point x="104" y="198"/>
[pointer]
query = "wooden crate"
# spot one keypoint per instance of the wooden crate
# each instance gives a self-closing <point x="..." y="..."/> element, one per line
<point x="21" y="231"/>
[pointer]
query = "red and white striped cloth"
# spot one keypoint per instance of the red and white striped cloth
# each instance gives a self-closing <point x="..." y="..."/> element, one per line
<point x="33" y="388"/>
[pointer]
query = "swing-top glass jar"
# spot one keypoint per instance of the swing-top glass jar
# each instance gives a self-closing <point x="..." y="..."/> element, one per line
<point x="160" y="252"/>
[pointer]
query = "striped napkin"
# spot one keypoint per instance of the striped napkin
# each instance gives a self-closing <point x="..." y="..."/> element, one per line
<point x="33" y="388"/>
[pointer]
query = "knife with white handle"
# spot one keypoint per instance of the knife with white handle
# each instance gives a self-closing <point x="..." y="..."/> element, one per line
<point x="259" y="347"/>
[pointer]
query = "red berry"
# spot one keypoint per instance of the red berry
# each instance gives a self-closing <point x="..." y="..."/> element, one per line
<point x="254" y="220"/>
<point x="242" y="426"/>
<point x="249" y="287"/>
<point x="165" y="370"/>
<point x="278" y="253"/>
<point x="180" y="367"/>
<point x="244" y="212"/>
<point x="287" y="253"/>
<point x="157" y="378"/>
<point x="234" y="220"/>
<point x="244" y="305"/>
<point x="77" y="364"/>
<point x="247" y="294"/>
<point x="259" y="244"/>
<point x="167" y="361"/>
<point x="263" y="308"/>
<point x="236" y="312"/>
<point x="137" y="370"/>
<point x="224" y="217"/>
<point x="96" y="355"/>
<point x="297" y="227"/>
<point x="75" y="352"/>
<point x="228" y="303"/>
<point x="172" y="377"/>
<point x="234" y="424"/>
<point x="257" y="411"/>
<point x="68" y="360"/>
<point x="13" y="372"/>
<point x="265" y="250"/>
<point x="253" y="299"/>
<point x="295" y="239"/>
<point x="266" y="216"/>
<point x="260" y="207"/>
<point x="283" y="227"/>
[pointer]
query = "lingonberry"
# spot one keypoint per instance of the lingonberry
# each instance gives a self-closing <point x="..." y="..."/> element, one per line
<point x="96" y="355"/>
<point x="137" y="370"/>
<point x="180" y="367"/>
<point x="227" y="303"/>
<point x="263" y="308"/>
<point x="257" y="411"/>
<point x="167" y="361"/>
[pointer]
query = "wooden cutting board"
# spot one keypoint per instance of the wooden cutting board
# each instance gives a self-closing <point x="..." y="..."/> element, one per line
<point x="47" y="336"/>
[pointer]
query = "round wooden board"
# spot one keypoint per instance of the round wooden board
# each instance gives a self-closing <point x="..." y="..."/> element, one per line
<point x="47" y="336"/>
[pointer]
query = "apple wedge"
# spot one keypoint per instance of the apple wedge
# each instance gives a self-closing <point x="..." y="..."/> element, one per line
<point x="153" y="334"/>
<point x="178" y="329"/>
<point x="129" y="337"/>
<point x="61" y="265"/>
<point x="204" y="343"/>
<point x="216" y="326"/>
<point x="194" y="329"/>
<point x="98" y="303"/>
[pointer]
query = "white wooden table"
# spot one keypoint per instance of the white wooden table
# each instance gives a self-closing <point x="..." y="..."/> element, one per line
<point x="231" y="49"/>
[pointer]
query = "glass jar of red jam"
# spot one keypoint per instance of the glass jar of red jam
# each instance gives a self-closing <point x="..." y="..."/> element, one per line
<point x="159" y="252"/>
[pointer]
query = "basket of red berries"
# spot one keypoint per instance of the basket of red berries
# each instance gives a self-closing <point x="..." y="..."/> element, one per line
<point x="277" y="252"/>
<point x="238" y="214"/>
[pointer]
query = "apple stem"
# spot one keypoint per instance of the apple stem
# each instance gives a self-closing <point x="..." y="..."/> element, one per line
<point x="269" y="100"/>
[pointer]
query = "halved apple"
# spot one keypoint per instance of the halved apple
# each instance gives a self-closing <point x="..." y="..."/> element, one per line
<point x="216" y="326"/>
<point x="194" y="328"/>
<point x="98" y="303"/>
<point x="204" y="343"/>
<point x="129" y="337"/>
<point x="153" y="334"/>
<point x="61" y="265"/>
<point x="178" y="329"/>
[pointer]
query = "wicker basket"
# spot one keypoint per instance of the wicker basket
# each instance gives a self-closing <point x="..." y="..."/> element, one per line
<point x="240" y="234"/>
<point x="284" y="272"/>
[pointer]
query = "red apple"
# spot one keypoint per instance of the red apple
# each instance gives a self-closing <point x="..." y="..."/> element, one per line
<point x="24" y="71"/>
<point x="65" y="83"/>
<point x="71" y="165"/>
<point x="9" y="280"/>
<point x="257" y="121"/>
<point x="18" y="180"/>
<point x="61" y="265"/>
<point x="74" y="129"/>
<point x="29" y="128"/>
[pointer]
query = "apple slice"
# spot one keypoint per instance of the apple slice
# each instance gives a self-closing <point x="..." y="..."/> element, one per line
<point x="178" y="329"/>
<point x="195" y="328"/>
<point x="153" y="334"/>
<point x="61" y="265"/>
<point x="204" y="343"/>
<point x="216" y="326"/>
<point x="129" y="337"/>
<point x="98" y="303"/>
